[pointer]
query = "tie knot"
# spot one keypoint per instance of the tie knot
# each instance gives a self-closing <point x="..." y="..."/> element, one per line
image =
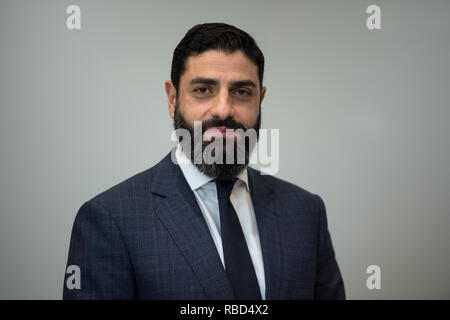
<point x="224" y="187"/>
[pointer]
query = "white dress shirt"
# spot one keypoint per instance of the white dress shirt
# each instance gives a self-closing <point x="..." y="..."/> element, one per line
<point x="205" y="192"/>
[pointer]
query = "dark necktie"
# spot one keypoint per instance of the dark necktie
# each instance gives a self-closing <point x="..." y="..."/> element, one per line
<point x="238" y="263"/>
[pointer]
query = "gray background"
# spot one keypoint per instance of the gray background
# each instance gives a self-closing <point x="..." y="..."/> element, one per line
<point x="362" y="117"/>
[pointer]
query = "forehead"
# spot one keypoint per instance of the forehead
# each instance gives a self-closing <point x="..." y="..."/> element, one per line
<point x="221" y="65"/>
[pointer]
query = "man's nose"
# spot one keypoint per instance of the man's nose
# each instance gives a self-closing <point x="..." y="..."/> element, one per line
<point x="222" y="106"/>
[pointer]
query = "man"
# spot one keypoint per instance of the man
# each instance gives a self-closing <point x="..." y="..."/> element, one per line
<point x="193" y="229"/>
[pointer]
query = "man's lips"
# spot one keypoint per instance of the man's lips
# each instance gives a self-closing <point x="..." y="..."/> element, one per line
<point x="218" y="131"/>
<point x="221" y="129"/>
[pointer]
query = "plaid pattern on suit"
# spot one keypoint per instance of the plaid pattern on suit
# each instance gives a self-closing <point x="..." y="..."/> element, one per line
<point x="146" y="238"/>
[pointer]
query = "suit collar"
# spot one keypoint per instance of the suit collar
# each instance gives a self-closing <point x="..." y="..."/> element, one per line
<point x="194" y="177"/>
<point x="167" y="170"/>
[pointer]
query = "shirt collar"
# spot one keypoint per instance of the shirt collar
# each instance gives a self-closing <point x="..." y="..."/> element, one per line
<point x="197" y="179"/>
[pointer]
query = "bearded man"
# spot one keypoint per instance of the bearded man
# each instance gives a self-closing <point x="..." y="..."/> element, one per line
<point x="202" y="224"/>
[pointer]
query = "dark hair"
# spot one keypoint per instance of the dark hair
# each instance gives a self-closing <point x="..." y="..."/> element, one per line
<point x="215" y="36"/>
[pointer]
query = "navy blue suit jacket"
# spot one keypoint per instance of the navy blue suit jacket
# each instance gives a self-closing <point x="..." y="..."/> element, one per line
<point x="146" y="238"/>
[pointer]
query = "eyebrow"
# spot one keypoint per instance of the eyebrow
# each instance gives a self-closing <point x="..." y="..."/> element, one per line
<point x="214" y="82"/>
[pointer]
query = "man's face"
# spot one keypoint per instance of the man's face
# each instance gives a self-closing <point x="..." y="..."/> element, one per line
<point x="221" y="90"/>
<point x="220" y="85"/>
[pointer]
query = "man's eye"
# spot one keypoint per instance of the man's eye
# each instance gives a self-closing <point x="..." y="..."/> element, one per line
<point x="202" y="90"/>
<point x="242" y="92"/>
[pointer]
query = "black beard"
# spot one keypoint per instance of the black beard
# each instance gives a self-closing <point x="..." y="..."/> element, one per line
<point x="217" y="170"/>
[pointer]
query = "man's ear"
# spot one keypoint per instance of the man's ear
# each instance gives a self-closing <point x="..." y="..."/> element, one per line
<point x="263" y="93"/>
<point x="171" y="97"/>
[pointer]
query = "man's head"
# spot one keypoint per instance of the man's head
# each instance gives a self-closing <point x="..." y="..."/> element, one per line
<point x="216" y="78"/>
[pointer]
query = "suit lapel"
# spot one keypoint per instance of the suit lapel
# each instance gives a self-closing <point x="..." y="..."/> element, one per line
<point x="178" y="210"/>
<point x="269" y="234"/>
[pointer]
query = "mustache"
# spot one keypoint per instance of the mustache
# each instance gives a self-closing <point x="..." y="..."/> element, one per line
<point x="216" y="122"/>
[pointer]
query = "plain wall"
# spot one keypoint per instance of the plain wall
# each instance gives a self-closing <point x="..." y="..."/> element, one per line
<point x="362" y="117"/>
